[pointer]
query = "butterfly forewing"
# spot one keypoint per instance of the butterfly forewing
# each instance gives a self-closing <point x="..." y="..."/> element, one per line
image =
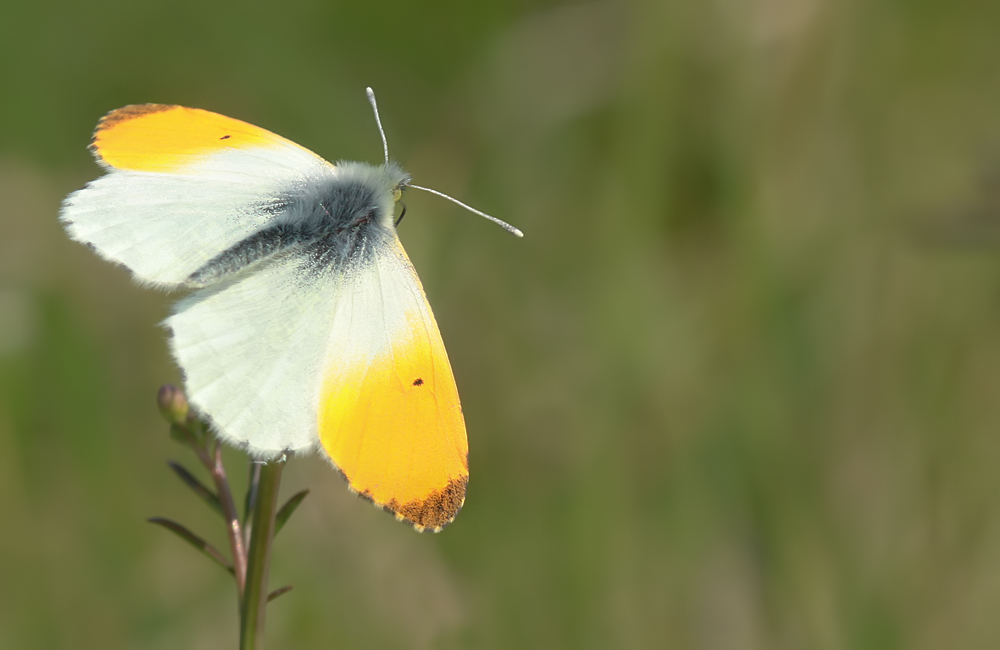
<point x="178" y="191"/>
<point x="389" y="413"/>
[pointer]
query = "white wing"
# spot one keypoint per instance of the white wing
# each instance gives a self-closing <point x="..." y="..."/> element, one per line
<point x="163" y="221"/>
<point x="164" y="227"/>
<point x="255" y="347"/>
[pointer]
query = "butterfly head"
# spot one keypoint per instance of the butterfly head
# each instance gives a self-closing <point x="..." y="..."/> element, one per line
<point x="368" y="192"/>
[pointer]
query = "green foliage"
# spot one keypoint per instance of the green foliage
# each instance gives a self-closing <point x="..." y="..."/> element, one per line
<point x="198" y="487"/>
<point x="286" y="510"/>
<point x="210" y="551"/>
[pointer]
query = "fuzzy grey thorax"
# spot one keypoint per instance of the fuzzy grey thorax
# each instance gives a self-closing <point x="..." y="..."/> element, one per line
<point x="334" y="221"/>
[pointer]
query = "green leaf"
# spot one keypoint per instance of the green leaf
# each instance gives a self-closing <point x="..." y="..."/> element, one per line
<point x="179" y="433"/>
<point x="194" y="541"/>
<point x="278" y="592"/>
<point x="199" y="488"/>
<point x="287" y="510"/>
<point x="198" y="429"/>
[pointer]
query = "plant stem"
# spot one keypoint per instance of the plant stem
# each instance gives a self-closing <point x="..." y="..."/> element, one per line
<point x="259" y="558"/>
<point x="253" y="482"/>
<point x="233" y="529"/>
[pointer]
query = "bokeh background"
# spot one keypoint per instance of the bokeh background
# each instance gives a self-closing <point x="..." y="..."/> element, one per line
<point x="738" y="387"/>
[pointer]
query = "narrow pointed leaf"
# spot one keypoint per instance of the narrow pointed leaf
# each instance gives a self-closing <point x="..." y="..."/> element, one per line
<point x="194" y="541"/>
<point x="198" y="430"/>
<point x="287" y="510"/>
<point x="278" y="592"/>
<point x="179" y="434"/>
<point x="199" y="488"/>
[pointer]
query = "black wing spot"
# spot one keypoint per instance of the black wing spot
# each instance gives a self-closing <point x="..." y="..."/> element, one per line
<point x="418" y="382"/>
<point x="225" y="137"/>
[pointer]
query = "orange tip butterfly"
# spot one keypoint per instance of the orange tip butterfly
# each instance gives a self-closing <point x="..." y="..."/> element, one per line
<point x="307" y="327"/>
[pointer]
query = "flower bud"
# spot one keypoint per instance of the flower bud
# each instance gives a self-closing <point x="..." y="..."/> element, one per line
<point x="173" y="404"/>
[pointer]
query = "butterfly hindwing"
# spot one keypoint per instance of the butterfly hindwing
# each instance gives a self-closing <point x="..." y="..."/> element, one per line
<point x="252" y="351"/>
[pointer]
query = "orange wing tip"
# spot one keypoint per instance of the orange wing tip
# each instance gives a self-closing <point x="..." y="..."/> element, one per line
<point x="436" y="511"/>
<point x="167" y="138"/>
<point x="120" y="116"/>
<point x="431" y="514"/>
<point x="130" y="112"/>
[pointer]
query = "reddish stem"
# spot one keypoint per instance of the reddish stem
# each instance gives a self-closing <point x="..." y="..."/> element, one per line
<point x="233" y="529"/>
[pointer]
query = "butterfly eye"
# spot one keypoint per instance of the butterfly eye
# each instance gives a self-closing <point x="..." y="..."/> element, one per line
<point x="396" y="193"/>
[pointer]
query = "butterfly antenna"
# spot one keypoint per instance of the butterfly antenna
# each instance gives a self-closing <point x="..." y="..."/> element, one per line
<point x="385" y="148"/>
<point x="371" y="100"/>
<point x="503" y="224"/>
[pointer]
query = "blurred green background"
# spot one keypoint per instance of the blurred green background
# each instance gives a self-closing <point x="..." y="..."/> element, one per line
<point x="738" y="387"/>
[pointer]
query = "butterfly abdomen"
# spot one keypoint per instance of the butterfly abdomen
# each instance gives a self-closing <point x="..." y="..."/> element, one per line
<point x="332" y="222"/>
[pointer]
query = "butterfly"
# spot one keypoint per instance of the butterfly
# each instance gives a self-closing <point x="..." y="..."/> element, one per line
<point x="306" y="327"/>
